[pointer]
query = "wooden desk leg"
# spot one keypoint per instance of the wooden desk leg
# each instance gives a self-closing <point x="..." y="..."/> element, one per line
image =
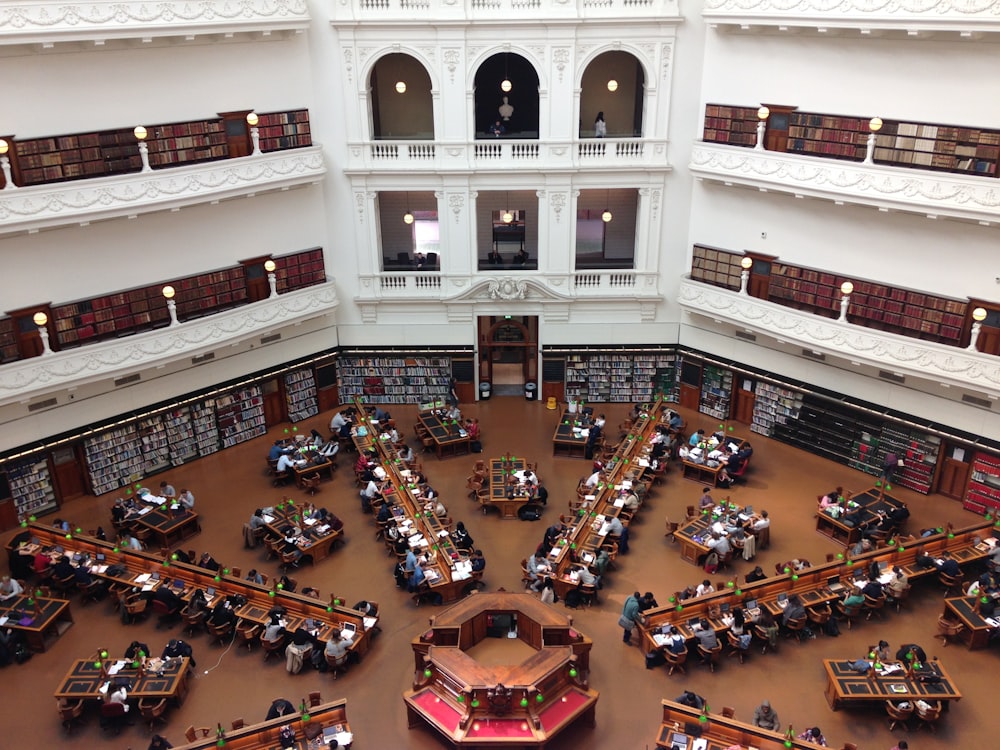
<point x="831" y="696"/>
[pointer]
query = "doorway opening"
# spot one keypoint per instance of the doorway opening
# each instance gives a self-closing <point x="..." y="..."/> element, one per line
<point x="508" y="352"/>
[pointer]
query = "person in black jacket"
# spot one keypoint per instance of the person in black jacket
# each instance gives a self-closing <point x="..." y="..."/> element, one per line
<point x="134" y="649"/>
<point x="279" y="707"/>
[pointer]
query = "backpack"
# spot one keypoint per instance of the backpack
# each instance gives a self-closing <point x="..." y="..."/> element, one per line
<point x="530" y="513"/>
<point x="573" y="598"/>
<point x="476" y="446"/>
<point x="830" y="627"/>
<point x="21" y="653"/>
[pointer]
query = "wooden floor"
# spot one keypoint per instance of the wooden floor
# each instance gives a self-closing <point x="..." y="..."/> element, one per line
<point x="782" y="479"/>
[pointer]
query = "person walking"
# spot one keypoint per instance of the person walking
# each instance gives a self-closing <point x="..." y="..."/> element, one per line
<point x="630" y="617"/>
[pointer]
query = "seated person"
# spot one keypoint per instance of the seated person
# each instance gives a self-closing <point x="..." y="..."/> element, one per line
<point x="831" y="498"/>
<point x="757" y="574"/>
<point x="675" y="641"/>
<point x="757" y="523"/>
<point x="137" y="650"/>
<point x="521" y="257"/>
<point x="706" y="500"/>
<point x="186" y="499"/>
<point x="705" y="587"/>
<point x="274" y="630"/>
<point x="461" y="538"/>
<point x="478" y="561"/>
<point x="169" y="598"/>
<point x="719" y="544"/>
<point x="338" y="645"/>
<point x="222" y="615"/>
<point x="949" y="566"/>
<point x="9" y="588"/>
<point x="687" y="698"/>
<point x="279" y="707"/>
<point x="63" y="569"/>
<point x="538" y="568"/>
<point x="208" y="562"/>
<point x="707" y="640"/>
<point x="696" y="438"/>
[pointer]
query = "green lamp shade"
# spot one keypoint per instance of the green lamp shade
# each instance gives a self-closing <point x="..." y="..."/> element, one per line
<point x="428" y="673"/>
<point x="573" y="672"/>
<point x="524" y="702"/>
<point x="539" y="698"/>
<point x="475" y="703"/>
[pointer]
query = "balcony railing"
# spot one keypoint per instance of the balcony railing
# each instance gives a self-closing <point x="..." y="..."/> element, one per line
<point x="37" y="207"/>
<point x="49" y="22"/>
<point x="909" y="357"/>
<point x="433" y="156"/>
<point x="933" y="194"/>
<point x="30" y="378"/>
<point x="422" y="11"/>
<point x="967" y="19"/>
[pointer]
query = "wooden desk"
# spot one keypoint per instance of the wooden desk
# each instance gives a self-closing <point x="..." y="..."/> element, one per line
<point x="312" y="541"/>
<point x="719" y="732"/>
<point x="84" y="680"/>
<point x="566" y="441"/>
<point x="264" y="736"/>
<point x="691" y="534"/>
<point x="448" y="441"/>
<point x="40" y="622"/>
<point x="312" y="469"/>
<point x="977" y="631"/>
<point x="168" y="527"/>
<point x="845" y="687"/>
<point x="703" y="472"/>
<point x="871" y="501"/>
<point x="503" y="484"/>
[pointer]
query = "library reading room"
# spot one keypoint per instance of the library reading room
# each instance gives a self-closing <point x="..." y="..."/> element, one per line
<point x="463" y="374"/>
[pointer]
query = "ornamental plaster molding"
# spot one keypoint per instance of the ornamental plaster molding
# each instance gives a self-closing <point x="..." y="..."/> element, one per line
<point x="30" y="378"/>
<point x="911" y="357"/>
<point x="61" y="204"/>
<point x="58" y="20"/>
<point x="935" y="194"/>
<point x="987" y="9"/>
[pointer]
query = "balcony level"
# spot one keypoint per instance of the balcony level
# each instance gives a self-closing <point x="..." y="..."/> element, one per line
<point x="104" y="362"/>
<point x="913" y="19"/>
<point x="81" y="202"/>
<point x="886" y="188"/>
<point x="503" y="154"/>
<point x="44" y="24"/>
<point x="856" y="347"/>
<point x="505" y="12"/>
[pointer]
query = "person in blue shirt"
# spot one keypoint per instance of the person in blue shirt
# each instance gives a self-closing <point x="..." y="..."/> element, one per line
<point x="411" y="561"/>
<point x="478" y="561"/>
<point x="631" y="613"/>
<point x="696" y="437"/>
<point x="416" y="579"/>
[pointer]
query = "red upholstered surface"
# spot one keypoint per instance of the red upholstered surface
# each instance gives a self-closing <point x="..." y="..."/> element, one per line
<point x="441" y="711"/>
<point x="499" y="728"/>
<point x="561" y="709"/>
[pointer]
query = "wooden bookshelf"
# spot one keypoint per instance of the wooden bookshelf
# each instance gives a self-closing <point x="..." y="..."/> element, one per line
<point x="8" y="340"/>
<point x="180" y="435"/>
<point x="774" y="406"/>
<point x="114" y="459"/>
<point x="300" y="395"/>
<point x="300" y="270"/>
<point x="712" y="265"/>
<point x="76" y="156"/>
<point x="155" y="445"/>
<point x="716" y="391"/>
<point x="206" y="429"/>
<point x="619" y="377"/>
<point x="734" y="125"/>
<point x="393" y="380"/>
<point x="827" y="135"/>
<point x="240" y="415"/>
<point x="284" y="130"/>
<point x="30" y="485"/>
<point x="919" y="451"/>
<point x="187" y="142"/>
<point x="946" y="148"/>
<point x="983" y="494"/>
<point x="207" y="293"/>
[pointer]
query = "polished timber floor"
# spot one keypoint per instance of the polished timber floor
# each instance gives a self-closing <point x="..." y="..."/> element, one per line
<point x="782" y="479"/>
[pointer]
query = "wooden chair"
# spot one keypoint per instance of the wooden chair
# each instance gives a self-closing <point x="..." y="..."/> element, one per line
<point x="134" y="605"/>
<point x="951" y="583"/>
<point x="848" y="613"/>
<point x="795" y="628"/>
<point x="281" y="478"/>
<point x="849" y="746"/>
<point x="588" y="592"/>
<point x="874" y="606"/>
<point x="900" y="597"/>
<point x="676" y="661"/>
<point x="948" y="630"/>
<point x="192" y="734"/>
<point x="90" y="592"/>
<point x="152" y="711"/>
<point x="70" y="712"/>
<point x="691" y="512"/>
<point x="272" y="647"/>
<point x="761" y="635"/>
<point x="710" y="656"/>
<point x="898" y="715"/>
<point x="336" y="665"/>
<point x="734" y="646"/>
<point x="218" y="633"/>
<point x="928" y="717"/>
<point x="247" y="632"/>
<point x="193" y="621"/>
<point x="311" y="483"/>
<point x="315" y="698"/>
<point x="238" y="723"/>
<point x="473" y="484"/>
<point x="113" y="717"/>
<point x="728" y="712"/>
<point x="819" y="616"/>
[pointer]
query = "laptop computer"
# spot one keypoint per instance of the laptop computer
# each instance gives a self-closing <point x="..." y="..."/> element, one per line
<point x="882" y="565"/>
<point x="349" y="627"/>
<point x="751" y="607"/>
<point x="680" y="741"/>
<point x="209" y="593"/>
<point x="834" y="584"/>
<point x="724" y="608"/>
<point x="782" y="600"/>
<point x="100" y="557"/>
<point x="155" y="575"/>
<point x="178" y="583"/>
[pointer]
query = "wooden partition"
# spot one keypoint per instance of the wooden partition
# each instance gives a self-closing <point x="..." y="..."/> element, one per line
<point x="264" y="736"/>
<point x="719" y="732"/>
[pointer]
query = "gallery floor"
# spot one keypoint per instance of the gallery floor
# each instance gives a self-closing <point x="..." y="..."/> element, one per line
<point x="782" y="479"/>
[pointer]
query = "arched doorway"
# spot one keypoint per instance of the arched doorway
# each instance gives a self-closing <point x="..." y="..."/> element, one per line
<point x="508" y="352"/>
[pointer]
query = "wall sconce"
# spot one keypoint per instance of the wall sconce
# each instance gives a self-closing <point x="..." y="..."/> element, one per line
<point x="400" y="87"/>
<point x="140" y="135"/>
<point x="745" y="264"/>
<point x="252" y="120"/>
<point x="40" y="320"/>
<point x="8" y="180"/>
<point x="408" y="216"/>
<point x="874" y="125"/>
<point x="272" y="277"/>
<point x="168" y="294"/>
<point x="978" y="316"/>
<point x="845" y="300"/>
<point x="762" y="114"/>
<point x="612" y="85"/>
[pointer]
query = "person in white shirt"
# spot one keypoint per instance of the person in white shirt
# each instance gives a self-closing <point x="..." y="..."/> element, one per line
<point x="119" y="695"/>
<point x="9" y="588"/>
<point x="130" y="542"/>
<point x="167" y="490"/>
<point x="285" y="463"/>
<point x="762" y="522"/>
<point x="599" y="421"/>
<point x="186" y="498"/>
<point x="593" y="479"/>
<point x="705" y="587"/>
<point x="631" y="501"/>
<point x="406" y="454"/>
<point x="537" y="568"/>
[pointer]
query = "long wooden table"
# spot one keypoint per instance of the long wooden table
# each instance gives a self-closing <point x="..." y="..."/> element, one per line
<point x="331" y="716"/>
<point x="40" y="619"/>
<point x="871" y="501"/>
<point x="138" y="569"/>
<point x="313" y="540"/>
<point x="311" y="469"/>
<point x="976" y="633"/>
<point x="168" y="527"/>
<point x="846" y="687"/>
<point x="447" y="435"/>
<point x="87" y="676"/>
<point x="692" y="534"/>
<point x="568" y="439"/>
<point x="812" y="584"/>
<point x="703" y="472"/>
<point x="506" y="493"/>
<point x="448" y="576"/>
